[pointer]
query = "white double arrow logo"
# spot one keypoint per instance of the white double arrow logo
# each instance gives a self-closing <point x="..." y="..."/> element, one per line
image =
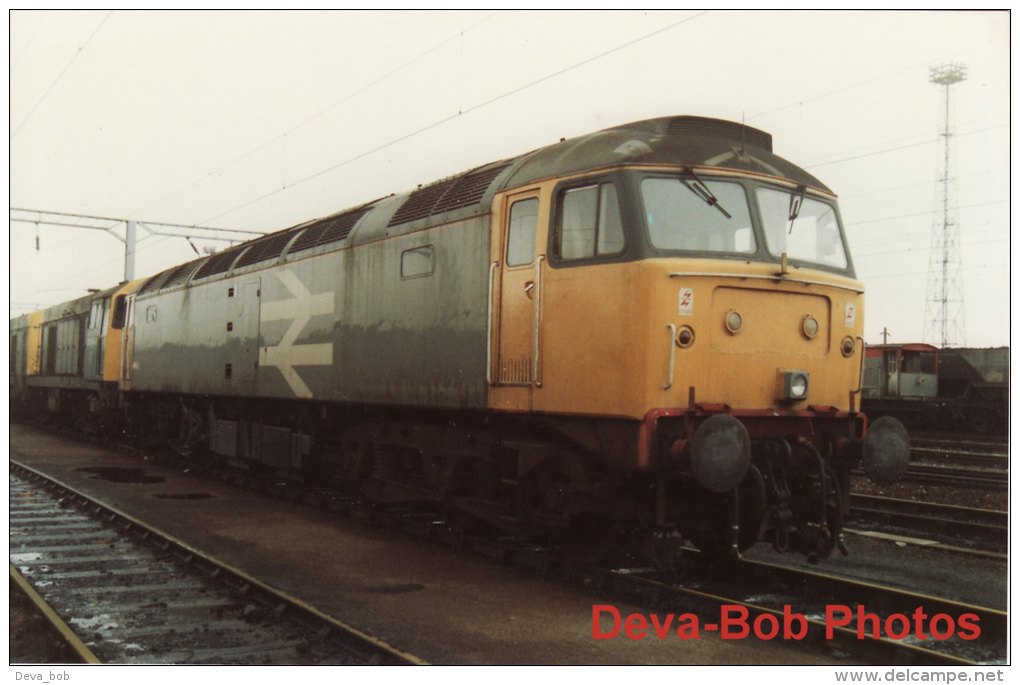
<point x="301" y="308"/>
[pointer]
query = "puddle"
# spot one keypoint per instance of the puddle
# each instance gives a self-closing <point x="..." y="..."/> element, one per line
<point x="183" y="495"/>
<point x="101" y="622"/>
<point x="396" y="589"/>
<point x="119" y="475"/>
<point x="27" y="556"/>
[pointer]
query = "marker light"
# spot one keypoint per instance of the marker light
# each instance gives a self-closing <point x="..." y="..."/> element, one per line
<point x="733" y="321"/>
<point x="847" y="347"/>
<point x="685" y="336"/>
<point x="809" y="327"/>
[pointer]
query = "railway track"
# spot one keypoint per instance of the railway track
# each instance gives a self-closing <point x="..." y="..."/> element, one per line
<point x="758" y="587"/>
<point x="971" y="463"/>
<point x="964" y="456"/>
<point x="980" y="529"/>
<point x="957" y="476"/>
<point x="961" y="457"/>
<point x="958" y="441"/>
<point x="130" y="594"/>
<point x="761" y="589"/>
<point x="956" y="463"/>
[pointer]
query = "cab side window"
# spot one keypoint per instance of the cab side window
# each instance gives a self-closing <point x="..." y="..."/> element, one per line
<point x="589" y="223"/>
<point x="520" y="249"/>
<point x="119" y="312"/>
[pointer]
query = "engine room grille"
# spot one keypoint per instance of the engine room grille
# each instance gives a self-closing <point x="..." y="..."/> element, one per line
<point x="264" y="249"/>
<point x="453" y="193"/>
<point x="219" y="262"/>
<point x="156" y="282"/>
<point x="329" y="230"/>
<point x="181" y="274"/>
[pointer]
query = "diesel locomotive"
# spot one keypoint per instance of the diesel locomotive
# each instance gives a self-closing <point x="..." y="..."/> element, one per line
<point x="650" y="331"/>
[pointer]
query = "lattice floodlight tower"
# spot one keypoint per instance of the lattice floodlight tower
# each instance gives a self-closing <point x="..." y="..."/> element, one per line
<point x="944" y="322"/>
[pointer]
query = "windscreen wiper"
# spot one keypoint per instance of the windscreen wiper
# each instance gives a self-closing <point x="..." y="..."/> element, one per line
<point x="796" y="201"/>
<point x="698" y="187"/>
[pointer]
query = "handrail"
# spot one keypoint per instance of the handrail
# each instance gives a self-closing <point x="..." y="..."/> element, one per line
<point x="762" y="277"/>
<point x="860" y="375"/>
<point x="488" y="326"/>
<point x="537" y="343"/>
<point x="672" y="357"/>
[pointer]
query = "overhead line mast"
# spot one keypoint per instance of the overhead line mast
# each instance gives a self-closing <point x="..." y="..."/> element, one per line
<point x="41" y="217"/>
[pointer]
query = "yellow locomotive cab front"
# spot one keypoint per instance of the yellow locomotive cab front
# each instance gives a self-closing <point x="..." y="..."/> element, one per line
<point x="700" y="325"/>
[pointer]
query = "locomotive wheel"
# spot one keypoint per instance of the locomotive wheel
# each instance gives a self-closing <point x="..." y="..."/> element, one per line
<point x="705" y="516"/>
<point x="552" y="494"/>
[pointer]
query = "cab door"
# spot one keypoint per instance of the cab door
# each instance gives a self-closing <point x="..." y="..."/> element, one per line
<point x="515" y="281"/>
<point x="891" y="377"/>
<point x="127" y="343"/>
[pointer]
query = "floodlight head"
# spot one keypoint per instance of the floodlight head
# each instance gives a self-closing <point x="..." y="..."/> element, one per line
<point x="947" y="74"/>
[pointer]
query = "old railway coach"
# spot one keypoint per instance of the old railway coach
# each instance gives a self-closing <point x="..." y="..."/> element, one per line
<point x="647" y="330"/>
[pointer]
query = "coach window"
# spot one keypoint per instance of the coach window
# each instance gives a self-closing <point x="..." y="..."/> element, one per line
<point x="589" y="224"/>
<point x="520" y="243"/>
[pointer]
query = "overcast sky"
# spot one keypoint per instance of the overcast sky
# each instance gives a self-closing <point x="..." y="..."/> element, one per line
<point x="254" y="120"/>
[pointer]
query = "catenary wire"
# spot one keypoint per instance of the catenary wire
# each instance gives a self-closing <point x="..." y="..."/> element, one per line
<point x="317" y="115"/>
<point x="447" y="119"/>
<point x="24" y="49"/>
<point x="77" y="54"/>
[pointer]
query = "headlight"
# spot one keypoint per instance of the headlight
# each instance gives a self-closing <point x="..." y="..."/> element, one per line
<point x="793" y="385"/>
<point x="798" y="386"/>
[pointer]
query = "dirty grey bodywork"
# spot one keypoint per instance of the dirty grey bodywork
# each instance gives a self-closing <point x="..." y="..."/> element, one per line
<point x="393" y="319"/>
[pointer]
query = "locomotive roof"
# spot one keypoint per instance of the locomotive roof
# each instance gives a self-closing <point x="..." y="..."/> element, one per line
<point x="683" y="140"/>
<point x="679" y="140"/>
